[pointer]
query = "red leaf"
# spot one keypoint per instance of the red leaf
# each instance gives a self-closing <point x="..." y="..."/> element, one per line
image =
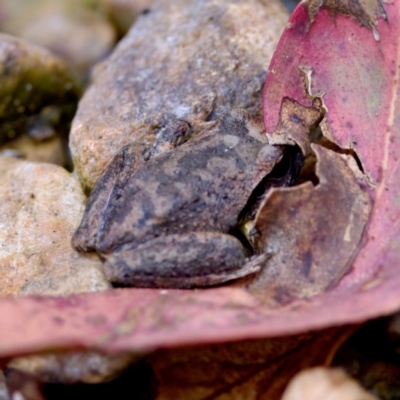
<point x="358" y="78"/>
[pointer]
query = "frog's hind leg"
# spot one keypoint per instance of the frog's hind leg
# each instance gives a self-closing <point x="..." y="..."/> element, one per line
<point x="182" y="261"/>
<point x="105" y="193"/>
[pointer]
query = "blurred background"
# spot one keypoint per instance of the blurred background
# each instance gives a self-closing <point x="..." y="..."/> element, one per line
<point x="35" y="119"/>
<point x="79" y="31"/>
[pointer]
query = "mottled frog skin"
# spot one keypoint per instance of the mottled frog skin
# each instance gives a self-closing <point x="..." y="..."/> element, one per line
<point x="164" y="222"/>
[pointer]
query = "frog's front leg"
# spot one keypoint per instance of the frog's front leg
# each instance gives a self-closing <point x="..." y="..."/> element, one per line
<point x="105" y="193"/>
<point x="110" y="186"/>
<point x="182" y="261"/>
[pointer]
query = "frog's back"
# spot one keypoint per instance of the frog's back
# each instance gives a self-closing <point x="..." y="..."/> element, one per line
<point x="201" y="185"/>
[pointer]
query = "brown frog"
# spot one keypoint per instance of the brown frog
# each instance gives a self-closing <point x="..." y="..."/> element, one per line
<point x="165" y="222"/>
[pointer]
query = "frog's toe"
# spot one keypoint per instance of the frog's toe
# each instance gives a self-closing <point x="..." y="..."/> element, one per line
<point x="181" y="261"/>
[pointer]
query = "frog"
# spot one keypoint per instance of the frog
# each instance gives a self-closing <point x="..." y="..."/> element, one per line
<point x="167" y="221"/>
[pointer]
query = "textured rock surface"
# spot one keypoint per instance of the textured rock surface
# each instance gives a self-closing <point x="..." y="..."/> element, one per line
<point x="183" y="59"/>
<point x="32" y="80"/>
<point x="40" y="207"/>
<point x="88" y="367"/>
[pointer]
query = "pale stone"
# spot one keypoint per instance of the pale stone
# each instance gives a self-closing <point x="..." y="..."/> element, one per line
<point x="72" y="29"/>
<point x="183" y="59"/>
<point x="46" y="151"/>
<point x="88" y="367"/>
<point x="41" y="206"/>
<point x="325" y="384"/>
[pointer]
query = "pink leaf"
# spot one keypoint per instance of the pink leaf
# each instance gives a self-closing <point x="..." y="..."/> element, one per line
<point x="357" y="77"/>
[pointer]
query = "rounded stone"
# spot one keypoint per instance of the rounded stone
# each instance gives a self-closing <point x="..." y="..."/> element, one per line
<point x="183" y="59"/>
<point x="41" y="205"/>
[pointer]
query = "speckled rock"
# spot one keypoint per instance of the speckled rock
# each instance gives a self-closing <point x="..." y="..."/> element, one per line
<point x="88" y="367"/>
<point x="183" y="59"/>
<point x="77" y="31"/>
<point x="41" y="206"/>
<point x="32" y="82"/>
